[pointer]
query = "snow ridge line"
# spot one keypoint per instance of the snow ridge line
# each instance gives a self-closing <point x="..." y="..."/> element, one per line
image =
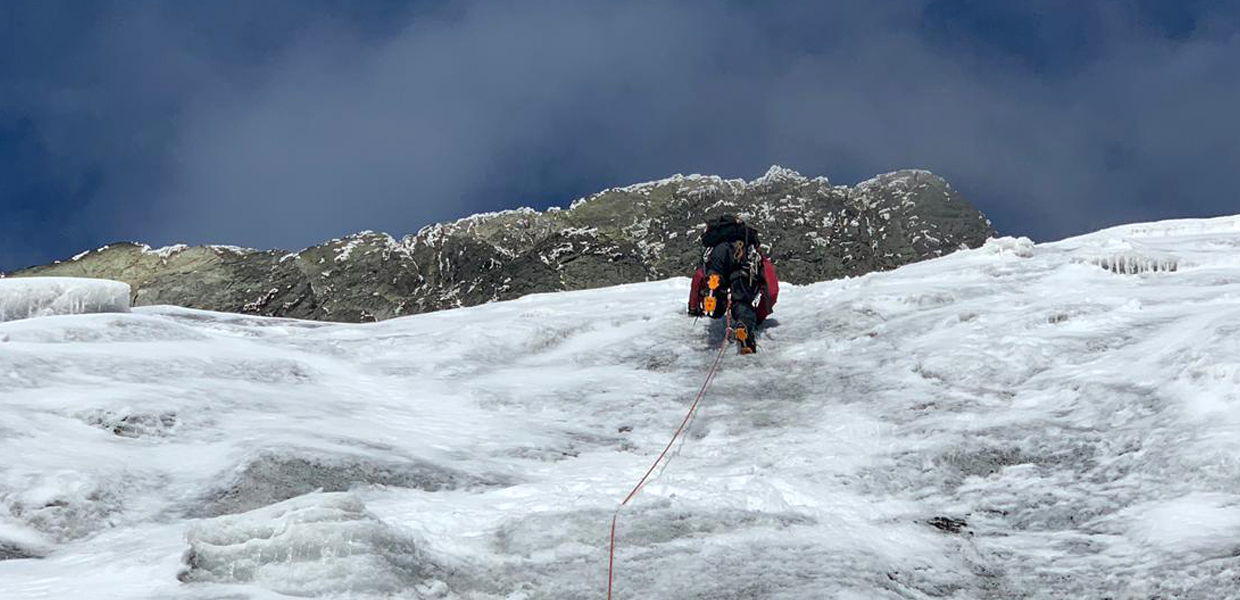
<point x="710" y="376"/>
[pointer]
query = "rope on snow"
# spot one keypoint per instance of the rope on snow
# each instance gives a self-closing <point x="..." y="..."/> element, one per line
<point x="710" y="376"/>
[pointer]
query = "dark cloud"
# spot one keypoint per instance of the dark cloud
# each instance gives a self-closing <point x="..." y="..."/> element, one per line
<point x="283" y="123"/>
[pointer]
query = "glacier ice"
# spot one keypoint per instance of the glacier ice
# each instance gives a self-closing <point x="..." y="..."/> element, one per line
<point x="1006" y="422"/>
<point x="1130" y="257"/>
<point x="11" y="551"/>
<point x="1021" y="247"/>
<point x="271" y="477"/>
<point x="18" y="541"/>
<point x="61" y="506"/>
<point x="25" y="297"/>
<point x="314" y="545"/>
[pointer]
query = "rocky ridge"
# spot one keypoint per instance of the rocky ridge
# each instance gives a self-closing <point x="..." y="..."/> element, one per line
<point x="812" y="230"/>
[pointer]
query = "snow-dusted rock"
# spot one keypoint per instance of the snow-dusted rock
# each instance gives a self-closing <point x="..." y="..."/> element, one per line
<point x="26" y="297"/>
<point x="813" y="231"/>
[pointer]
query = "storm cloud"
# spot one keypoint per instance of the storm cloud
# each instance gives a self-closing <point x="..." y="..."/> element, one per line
<point x="280" y="124"/>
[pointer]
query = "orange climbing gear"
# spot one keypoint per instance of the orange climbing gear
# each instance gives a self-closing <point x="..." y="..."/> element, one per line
<point x="742" y="338"/>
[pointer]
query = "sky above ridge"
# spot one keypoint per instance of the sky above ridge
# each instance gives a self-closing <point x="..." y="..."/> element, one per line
<point x="287" y="122"/>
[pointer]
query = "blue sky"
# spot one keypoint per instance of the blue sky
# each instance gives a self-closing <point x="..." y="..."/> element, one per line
<point x="282" y="123"/>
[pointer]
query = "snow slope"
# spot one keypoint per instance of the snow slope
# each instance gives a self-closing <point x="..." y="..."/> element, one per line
<point x="1015" y="421"/>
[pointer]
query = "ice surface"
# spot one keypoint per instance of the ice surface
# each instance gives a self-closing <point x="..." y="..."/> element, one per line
<point x="1015" y="421"/>
<point x="62" y="505"/>
<point x="25" y="297"/>
<point x="1201" y="523"/>
<point x="271" y="477"/>
<point x="20" y="541"/>
<point x="314" y="545"/>
<point x="1021" y="247"/>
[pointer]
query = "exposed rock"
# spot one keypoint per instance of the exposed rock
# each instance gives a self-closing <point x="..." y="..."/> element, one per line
<point x="813" y="231"/>
<point x="130" y="424"/>
<point x="948" y="524"/>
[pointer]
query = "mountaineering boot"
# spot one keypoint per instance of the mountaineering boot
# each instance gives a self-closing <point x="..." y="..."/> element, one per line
<point x="744" y="340"/>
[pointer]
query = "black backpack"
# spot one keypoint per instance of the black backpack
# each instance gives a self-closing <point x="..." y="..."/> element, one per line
<point x="729" y="228"/>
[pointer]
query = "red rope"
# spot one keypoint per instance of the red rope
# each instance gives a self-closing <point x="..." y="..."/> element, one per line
<point x="710" y="375"/>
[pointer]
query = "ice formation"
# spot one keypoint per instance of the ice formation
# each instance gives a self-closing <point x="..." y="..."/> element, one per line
<point x="26" y="297"/>
<point x="313" y="545"/>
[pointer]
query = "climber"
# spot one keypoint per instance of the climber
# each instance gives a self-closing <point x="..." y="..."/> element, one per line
<point x="734" y="273"/>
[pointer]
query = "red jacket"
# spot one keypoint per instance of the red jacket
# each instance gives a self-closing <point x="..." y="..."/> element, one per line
<point x="770" y="290"/>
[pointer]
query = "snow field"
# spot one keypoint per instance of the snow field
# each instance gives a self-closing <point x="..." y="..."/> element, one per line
<point x="1017" y="421"/>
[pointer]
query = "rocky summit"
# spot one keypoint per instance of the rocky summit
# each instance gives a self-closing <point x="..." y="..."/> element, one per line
<point x="812" y="231"/>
